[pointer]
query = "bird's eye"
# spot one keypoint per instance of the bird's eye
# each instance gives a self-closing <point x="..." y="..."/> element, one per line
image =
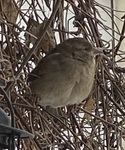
<point x="86" y="49"/>
<point x="73" y="54"/>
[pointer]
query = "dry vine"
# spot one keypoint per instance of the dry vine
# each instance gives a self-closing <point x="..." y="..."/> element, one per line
<point x="29" y="30"/>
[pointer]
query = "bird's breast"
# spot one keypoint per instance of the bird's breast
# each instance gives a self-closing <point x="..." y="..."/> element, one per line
<point x="83" y="84"/>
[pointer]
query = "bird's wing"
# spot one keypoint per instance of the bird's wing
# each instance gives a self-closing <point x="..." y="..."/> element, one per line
<point x="54" y="76"/>
<point x="51" y="65"/>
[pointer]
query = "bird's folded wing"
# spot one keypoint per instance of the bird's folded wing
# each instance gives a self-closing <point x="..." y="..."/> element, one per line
<point x="54" y="66"/>
<point x="54" y="76"/>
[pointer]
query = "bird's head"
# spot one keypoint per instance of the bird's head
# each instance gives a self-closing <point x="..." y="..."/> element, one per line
<point x="78" y="48"/>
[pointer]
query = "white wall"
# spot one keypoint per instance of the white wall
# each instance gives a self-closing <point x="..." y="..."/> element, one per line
<point x="119" y="6"/>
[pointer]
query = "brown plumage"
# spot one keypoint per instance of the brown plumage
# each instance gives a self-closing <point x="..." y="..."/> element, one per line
<point x="66" y="75"/>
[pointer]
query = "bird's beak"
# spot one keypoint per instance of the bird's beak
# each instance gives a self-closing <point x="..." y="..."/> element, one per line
<point x="99" y="51"/>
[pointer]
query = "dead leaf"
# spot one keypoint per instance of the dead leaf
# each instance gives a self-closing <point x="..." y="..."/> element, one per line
<point x="92" y="144"/>
<point x="89" y="106"/>
<point x="34" y="29"/>
<point x="8" y="8"/>
<point x="89" y="146"/>
<point x="2" y="81"/>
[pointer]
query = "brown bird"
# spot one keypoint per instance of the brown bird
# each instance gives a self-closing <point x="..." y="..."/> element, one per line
<point x="66" y="75"/>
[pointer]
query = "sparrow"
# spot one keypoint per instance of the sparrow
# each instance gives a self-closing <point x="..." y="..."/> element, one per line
<point x="65" y="76"/>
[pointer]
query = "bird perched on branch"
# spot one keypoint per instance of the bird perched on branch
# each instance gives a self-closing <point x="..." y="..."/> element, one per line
<point x="66" y="75"/>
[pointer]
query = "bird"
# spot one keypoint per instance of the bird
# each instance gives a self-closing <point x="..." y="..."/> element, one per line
<point x="65" y="76"/>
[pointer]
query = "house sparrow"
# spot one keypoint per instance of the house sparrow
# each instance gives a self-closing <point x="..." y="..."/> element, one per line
<point x="65" y="76"/>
